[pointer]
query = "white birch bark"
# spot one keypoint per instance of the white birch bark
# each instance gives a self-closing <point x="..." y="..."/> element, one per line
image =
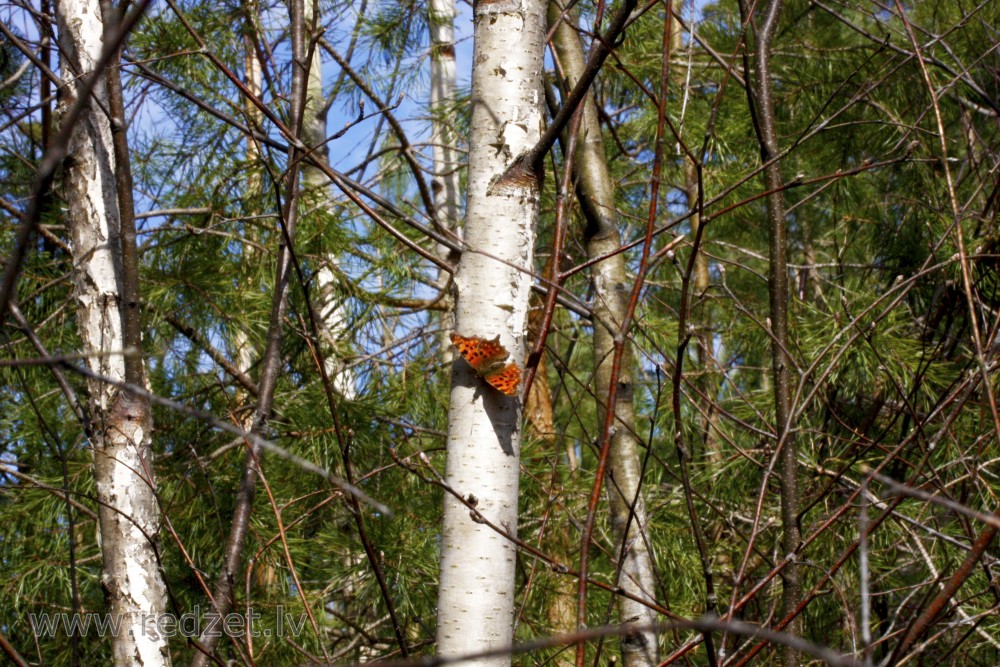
<point x="441" y="14"/>
<point x="445" y="187"/>
<point x="121" y="427"/>
<point x="475" y="601"/>
<point x="316" y="187"/>
<point x="314" y="122"/>
<point x="245" y="353"/>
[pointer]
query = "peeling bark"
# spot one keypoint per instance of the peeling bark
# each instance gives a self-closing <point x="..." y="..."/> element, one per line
<point x="121" y="431"/>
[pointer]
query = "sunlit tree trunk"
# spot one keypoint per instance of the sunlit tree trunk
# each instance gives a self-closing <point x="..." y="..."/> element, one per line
<point x="444" y="140"/>
<point x="475" y="602"/>
<point x="595" y="190"/>
<point x="252" y="75"/>
<point x="327" y="296"/>
<point x="105" y="282"/>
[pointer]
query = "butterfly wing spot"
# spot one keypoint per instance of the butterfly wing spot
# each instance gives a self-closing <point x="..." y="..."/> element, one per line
<point x="486" y="358"/>
<point x="482" y="354"/>
<point x="506" y="379"/>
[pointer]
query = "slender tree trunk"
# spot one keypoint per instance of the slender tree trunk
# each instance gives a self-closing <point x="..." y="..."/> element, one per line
<point x="243" y="348"/>
<point x="106" y="293"/>
<point x="223" y="592"/>
<point x="475" y="601"/>
<point x="539" y="421"/>
<point x="329" y="311"/>
<point x="779" y="291"/>
<point x="595" y="191"/>
<point x="314" y="181"/>
<point x="444" y="140"/>
<point x="316" y="194"/>
<point x="701" y="315"/>
<point x="701" y="318"/>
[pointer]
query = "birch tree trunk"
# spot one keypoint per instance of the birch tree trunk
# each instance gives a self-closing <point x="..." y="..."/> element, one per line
<point x="245" y="353"/>
<point x="316" y="193"/>
<point x="475" y="601"/>
<point x="107" y="308"/>
<point x="441" y="15"/>
<point x="595" y="191"/>
<point x="445" y="186"/>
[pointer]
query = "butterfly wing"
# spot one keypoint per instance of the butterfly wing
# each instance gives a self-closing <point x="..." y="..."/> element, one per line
<point x="486" y="357"/>
<point x="506" y="379"/>
<point x="482" y="354"/>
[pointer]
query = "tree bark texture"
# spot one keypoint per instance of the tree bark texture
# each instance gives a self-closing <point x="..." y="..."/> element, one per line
<point x="444" y="143"/>
<point x="595" y="191"/>
<point x="475" y="603"/>
<point x="121" y="423"/>
<point x="327" y="298"/>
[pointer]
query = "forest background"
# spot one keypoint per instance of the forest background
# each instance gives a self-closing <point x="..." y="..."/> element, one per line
<point x="755" y="309"/>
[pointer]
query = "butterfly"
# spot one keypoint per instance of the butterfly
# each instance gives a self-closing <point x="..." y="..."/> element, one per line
<point x="487" y="358"/>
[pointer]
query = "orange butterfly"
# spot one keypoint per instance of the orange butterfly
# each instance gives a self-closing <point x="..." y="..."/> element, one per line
<point x="486" y="358"/>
